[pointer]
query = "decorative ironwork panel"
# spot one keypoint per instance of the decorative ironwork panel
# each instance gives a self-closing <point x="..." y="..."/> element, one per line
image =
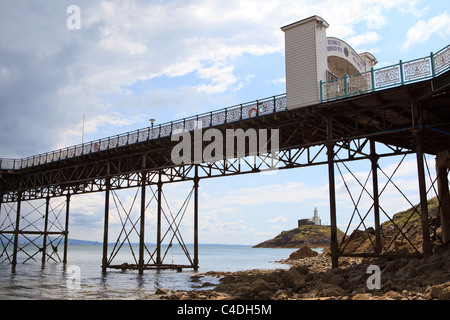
<point x="234" y="114"/>
<point x="143" y="135"/>
<point x="57" y="155"/>
<point x="334" y="89"/>
<point x="266" y="107"/>
<point x="103" y="145"/>
<point x="205" y="121"/>
<point x="132" y="138"/>
<point x="442" y="59"/>
<point x="87" y="148"/>
<point x="417" y="69"/>
<point x="218" y="118"/>
<point x="7" y="164"/>
<point x="122" y="141"/>
<point x="166" y="130"/>
<point x="78" y="150"/>
<point x="178" y="127"/>
<point x="189" y="124"/>
<point x="280" y="104"/>
<point x="387" y="76"/>
<point x="249" y="111"/>
<point x="113" y="142"/>
<point x="359" y="83"/>
<point x="154" y="133"/>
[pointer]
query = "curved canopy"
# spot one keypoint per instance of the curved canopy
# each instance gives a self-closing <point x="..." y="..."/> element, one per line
<point x="343" y="59"/>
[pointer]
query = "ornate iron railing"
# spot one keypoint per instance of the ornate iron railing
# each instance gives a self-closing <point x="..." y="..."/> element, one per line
<point x="386" y="77"/>
<point x="235" y="113"/>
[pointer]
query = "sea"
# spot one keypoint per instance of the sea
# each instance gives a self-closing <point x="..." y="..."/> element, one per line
<point x="81" y="278"/>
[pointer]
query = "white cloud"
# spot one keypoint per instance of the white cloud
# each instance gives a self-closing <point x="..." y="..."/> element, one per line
<point x="368" y="37"/>
<point x="289" y="192"/>
<point x="423" y="30"/>
<point x="278" y="219"/>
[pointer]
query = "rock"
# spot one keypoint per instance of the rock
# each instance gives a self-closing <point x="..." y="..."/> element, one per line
<point x="313" y="278"/>
<point x="444" y="294"/>
<point x="161" y="291"/>
<point x="331" y="291"/>
<point x="302" y="269"/>
<point x="260" y="285"/>
<point x="394" y="295"/>
<point x="280" y="295"/>
<point x="303" y="252"/>
<point x="435" y="291"/>
<point x="224" y="287"/>
<point x="299" y="284"/>
<point x="362" y="296"/>
<point x="336" y="280"/>
<point x="292" y="276"/>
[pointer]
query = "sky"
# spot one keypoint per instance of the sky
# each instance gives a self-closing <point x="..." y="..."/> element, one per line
<point x="133" y="60"/>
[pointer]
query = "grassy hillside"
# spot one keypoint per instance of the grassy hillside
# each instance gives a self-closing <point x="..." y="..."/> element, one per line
<point x="311" y="235"/>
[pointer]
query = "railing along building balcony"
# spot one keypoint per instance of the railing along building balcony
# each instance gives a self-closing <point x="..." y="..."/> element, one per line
<point x="383" y="78"/>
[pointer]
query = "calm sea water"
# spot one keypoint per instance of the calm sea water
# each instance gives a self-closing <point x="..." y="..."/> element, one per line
<point x="33" y="280"/>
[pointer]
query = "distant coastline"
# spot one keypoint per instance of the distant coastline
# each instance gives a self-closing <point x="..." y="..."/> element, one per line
<point x="23" y="240"/>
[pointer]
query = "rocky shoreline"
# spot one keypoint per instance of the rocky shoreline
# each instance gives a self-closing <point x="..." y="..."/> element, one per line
<point x="312" y="277"/>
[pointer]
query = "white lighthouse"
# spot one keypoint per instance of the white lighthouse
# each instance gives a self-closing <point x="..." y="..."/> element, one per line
<point x="316" y="218"/>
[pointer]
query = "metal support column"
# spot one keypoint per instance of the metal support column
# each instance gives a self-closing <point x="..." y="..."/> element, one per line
<point x="142" y="223"/>
<point x="106" y="225"/>
<point x="442" y="165"/>
<point x="66" y="229"/>
<point x="332" y="190"/>
<point x="196" y="183"/>
<point x="44" y="242"/>
<point x="16" y="231"/>
<point x="376" y="204"/>
<point x="332" y="194"/>
<point x="158" y="221"/>
<point x="423" y="194"/>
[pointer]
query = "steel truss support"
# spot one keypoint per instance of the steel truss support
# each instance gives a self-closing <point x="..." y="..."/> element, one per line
<point x="106" y="225"/>
<point x="383" y="241"/>
<point x="376" y="199"/>
<point x="16" y="230"/>
<point x="142" y="223"/>
<point x="167" y="226"/>
<point x="423" y="194"/>
<point x="127" y="175"/>
<point x="27" y="231"/>
<point x="66" y="228"/>
<point x="335" y="155"/>
<point x="332" y="194"/>
<point x="196" y="185"/>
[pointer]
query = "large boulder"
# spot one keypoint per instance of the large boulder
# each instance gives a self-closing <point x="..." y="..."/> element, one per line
<point x="303" y="252"/>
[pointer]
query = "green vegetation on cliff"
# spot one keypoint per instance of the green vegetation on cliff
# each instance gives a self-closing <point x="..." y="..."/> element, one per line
<point x="311" y="235"/>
